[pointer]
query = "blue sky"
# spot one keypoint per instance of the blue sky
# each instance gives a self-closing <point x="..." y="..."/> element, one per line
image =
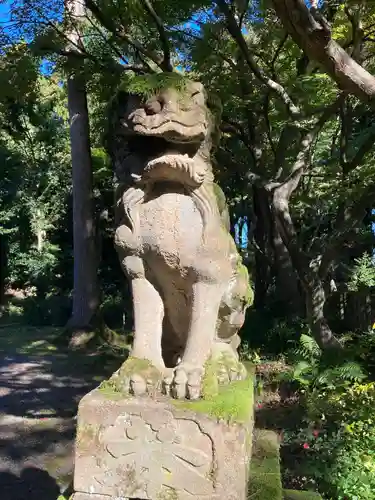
<point x="4" y="12"/>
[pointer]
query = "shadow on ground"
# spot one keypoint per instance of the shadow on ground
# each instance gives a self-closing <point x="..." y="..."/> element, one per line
<point x="48" y="386"/>
<point x="31" y="484"/>
<point x="39" y="395"/>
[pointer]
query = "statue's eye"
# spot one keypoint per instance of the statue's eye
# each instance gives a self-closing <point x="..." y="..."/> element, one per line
<point x="196" y="92"/>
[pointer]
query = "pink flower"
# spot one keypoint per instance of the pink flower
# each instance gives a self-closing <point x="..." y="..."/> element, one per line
<point x="315" y="433"/>
<point x="259" y="406"/>
<point x="306" y="446"/>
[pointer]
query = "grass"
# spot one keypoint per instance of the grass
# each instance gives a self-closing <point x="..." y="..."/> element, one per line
<point x="24" y="339"/>
<point x="301" y="495"/>
<point x="40" y="341"/>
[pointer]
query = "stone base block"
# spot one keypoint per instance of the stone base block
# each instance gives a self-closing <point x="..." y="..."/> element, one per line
<point x="156" y="449"/>
<point x="92" y="496"/>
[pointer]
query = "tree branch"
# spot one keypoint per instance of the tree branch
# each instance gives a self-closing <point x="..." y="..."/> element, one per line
<point x="120" y="34"/>
<point x="363" y="150"/>
<point x="289" y="185"/>
<point x="313" y="36"/>
<point x="137" y="68"/>
<point x="277" y="53"/>
<point x="238" y="37"/>
<point x="166" y="64"/>
<point x="228" y="125"/>
<point x="346" y="220"/>
<point x="357" y="31"/>
<point x="283" y="191"/>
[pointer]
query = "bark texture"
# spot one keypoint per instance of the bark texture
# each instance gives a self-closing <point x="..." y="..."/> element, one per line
<point x="3" y="267"/>
<point x="313" y="35"/>
<point x="86" y="288"/>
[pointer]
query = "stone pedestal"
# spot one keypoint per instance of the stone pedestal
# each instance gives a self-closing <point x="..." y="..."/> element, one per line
<point x="160" y="449"/>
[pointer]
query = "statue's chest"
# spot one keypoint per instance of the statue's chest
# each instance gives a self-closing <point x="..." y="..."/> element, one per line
<point x="171" y="224"/>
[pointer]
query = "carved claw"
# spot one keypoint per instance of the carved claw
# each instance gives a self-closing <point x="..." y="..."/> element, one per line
<point x="233" y="374"/>
<point x="137" y="385"/>
<point x="167" y="383"/>
<point x="222" y="376"/>
<point x="151" y="387"/>
<point x="194" y="384"/>
<point x="180" y="384"/>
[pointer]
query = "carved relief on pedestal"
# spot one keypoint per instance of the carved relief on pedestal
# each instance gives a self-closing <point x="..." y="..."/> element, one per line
<point x="152" y="455"/>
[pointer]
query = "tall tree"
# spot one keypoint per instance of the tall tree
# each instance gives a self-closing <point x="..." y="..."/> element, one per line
<point x="284" y="135"/>
<point x="86" y="287"/>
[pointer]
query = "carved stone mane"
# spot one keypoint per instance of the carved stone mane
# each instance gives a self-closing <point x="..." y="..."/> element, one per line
<point x="190" y="289"/>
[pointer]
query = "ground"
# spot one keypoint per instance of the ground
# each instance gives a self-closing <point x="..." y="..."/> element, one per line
<point x="40" y="387"/>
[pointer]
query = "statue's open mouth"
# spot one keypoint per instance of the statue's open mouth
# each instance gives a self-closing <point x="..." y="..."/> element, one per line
<point x="164" y="160"/>
<point x="160" y="151"/>
<point x="153" y="146"/>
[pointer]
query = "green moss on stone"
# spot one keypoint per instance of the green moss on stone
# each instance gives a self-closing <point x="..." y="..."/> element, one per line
<point x="148" y="85"/>
<point x="142" y="367"/>
<point x="210" y="385"/>
<point x="301" y="495"/>
<point x="167" y="494"/>
<point x="110" y="389"/>
<point x="265" y="475"/>
<point x="244" y="273"/>
<point x="232" y="403"/>
<point x="132" y="365"/>
<point x="113" y="388"/>
<point x="220" y="197"/>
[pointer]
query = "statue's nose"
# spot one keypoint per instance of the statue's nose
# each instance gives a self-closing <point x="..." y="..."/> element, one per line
<point x="153" y="106"/>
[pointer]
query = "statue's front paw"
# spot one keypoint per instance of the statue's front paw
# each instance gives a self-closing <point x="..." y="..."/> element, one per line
<point x="136" y="376"/>
<point x="187" y="382"/>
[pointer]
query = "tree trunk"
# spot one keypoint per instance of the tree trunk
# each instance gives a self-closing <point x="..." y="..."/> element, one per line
<point x="308" y="274"/>
<point x="315" y="302"/>
<point x="263" y="259"/>
<point x="86" y="288"/>
<point x="272" y="259"/>
<point x="86" y="259"/>
<point x="3" y="267"/>
<point x="287" y="290"/>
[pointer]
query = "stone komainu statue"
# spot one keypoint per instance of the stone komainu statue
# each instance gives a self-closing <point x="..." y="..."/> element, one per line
<point x="190" y="288"/>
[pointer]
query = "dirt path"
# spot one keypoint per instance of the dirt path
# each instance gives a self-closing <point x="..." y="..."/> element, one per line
<point x="39" y="395"/>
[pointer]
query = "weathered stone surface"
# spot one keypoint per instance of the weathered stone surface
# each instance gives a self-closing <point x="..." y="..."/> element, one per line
<point x="149" y="449"/>
<point x="90" y="496"/>
<point x="190" y="288"/>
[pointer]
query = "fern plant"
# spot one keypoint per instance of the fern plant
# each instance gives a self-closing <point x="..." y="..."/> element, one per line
<point x="313" y="369"/>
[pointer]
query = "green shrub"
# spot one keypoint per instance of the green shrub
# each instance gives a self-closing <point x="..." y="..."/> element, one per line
<point x="52" y="310"/>
<point x="314" y="369"/>
<point x="270" y="332"/>
<point x="339" y="453"/>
